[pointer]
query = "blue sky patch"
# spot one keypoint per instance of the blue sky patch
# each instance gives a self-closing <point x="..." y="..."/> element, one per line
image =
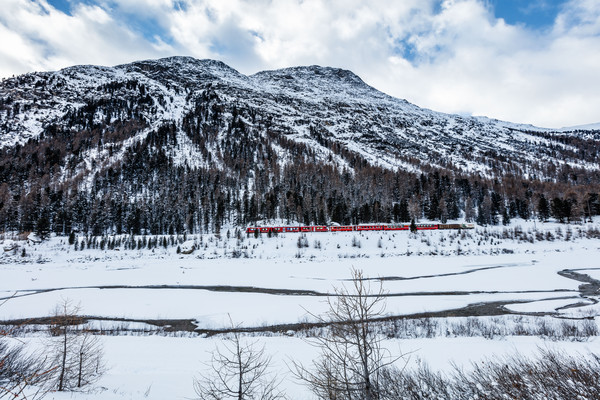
<point x="534" y="14"/>
<point x="406" y="50"/>
<point x="148" y="27"/>
<point x="61" y="5"/>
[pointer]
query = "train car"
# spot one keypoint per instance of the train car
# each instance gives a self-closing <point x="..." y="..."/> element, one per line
<point x="320" y="228"/>
<point x="396" y="227"/>
<point x="456" y="226"/>
<point x="369" y="227"/>
<point x="306" y="229"/>
<point x="346" y="228"/>
<point x="251" y="229"/>
<point x="449" y="226"/>
<point x="291" y="229"/>
<point x="426" y="227"/>
<point x="264" y="229"/>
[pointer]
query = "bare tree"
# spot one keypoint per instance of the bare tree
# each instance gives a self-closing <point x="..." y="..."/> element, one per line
<point x="88" y="359"/>
<point x="238" y="370"/>
<point x="22" y="373"/>
<point x="76" y="352"/>
<point x="21" y="376"/>
<point x="352" y="357"/>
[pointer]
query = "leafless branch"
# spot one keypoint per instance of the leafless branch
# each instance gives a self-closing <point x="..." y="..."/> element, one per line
<point x="352" y="358"/>
<point x="238" y="370"/>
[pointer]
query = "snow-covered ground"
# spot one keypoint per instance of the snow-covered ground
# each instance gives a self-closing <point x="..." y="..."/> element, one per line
<point x="154" y="367"/>
<point x="266" y="281"/>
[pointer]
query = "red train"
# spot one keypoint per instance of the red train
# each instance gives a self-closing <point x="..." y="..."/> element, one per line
<point x="352" y="228"/>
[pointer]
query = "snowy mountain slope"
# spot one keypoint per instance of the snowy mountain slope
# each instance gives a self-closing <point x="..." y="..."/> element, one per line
<point x="587" y="127"/>
<point x="326" y="108"/>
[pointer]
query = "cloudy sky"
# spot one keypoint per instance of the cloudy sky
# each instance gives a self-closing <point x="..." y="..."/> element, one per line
<point x="524" y="61"/>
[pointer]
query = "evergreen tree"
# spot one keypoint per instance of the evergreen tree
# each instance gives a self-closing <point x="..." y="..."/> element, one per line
<point x="505" y="218"/>
<point x="42" y="227"/>
<point x="413" y="226"/>
<point x="543" y="209"/>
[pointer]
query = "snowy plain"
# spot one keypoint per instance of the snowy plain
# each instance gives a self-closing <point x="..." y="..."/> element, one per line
<point x="264" y="281"/>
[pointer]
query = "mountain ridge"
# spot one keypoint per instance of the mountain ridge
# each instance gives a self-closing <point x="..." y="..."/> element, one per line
<point x="312" y="144"/>
<point x="302" y="100"/>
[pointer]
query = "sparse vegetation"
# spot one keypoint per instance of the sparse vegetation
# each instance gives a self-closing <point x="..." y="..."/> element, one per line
<point x="76" y="354"/>
<point x="549" y="375"/>
<point x="238" y="370"/>
<point x="352" y="358"/>
<point x="302" y="241"/>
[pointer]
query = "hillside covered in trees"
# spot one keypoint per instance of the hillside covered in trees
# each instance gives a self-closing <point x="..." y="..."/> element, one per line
<point x="183" y="145"/>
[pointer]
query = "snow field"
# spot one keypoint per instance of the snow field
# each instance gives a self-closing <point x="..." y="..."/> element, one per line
<point x="275" y="286"/>
<point x="211" y="310"/>
<point x="158" y="368"/>
<point x="282" y="283"/>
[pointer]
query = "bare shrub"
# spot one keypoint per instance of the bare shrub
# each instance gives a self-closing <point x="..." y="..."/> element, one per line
<point x="549" y="375"/>
<point x="238" y="370"/>
<point x="414" y="385"/>
<point x="75" y="352"/>
<point x="22" y="374"/>
<point x="352" y="358"/>
<point x="302" y="241"/>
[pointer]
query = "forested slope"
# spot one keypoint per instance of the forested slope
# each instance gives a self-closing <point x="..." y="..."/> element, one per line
<point x="183" y="145"/>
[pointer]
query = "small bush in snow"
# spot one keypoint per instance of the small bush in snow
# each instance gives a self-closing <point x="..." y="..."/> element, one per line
<point x="302" y="241"/>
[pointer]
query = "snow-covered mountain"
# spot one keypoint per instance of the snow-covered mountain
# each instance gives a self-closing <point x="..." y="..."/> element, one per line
<point x="315" y="105"/>
<point x="180" y="144"/>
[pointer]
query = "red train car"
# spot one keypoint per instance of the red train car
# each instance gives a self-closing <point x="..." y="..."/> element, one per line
<point x="346" y="228"/>
<point x="369" y="227"/>
<point x="396" y="227"/>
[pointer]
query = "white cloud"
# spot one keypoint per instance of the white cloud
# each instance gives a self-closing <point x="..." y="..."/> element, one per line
<point x="36" y="36"/>
<point x="461" y="58"/>
<point x="478" y="64"/>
